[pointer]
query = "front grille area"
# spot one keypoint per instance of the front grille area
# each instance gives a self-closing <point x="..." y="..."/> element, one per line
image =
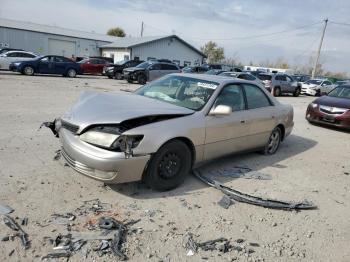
<point x="73" y="128"/>
<point x="332" y="110"/>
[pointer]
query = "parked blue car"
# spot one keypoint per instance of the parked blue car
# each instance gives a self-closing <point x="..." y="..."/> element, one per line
<point x="49" y="64"/>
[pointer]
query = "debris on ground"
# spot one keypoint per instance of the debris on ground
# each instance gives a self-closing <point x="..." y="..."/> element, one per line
<point x="240" y="172"/>
<point x="57" y="255"/>
<point x="57" y="155"/>
<point x="11" y="223"/>
<point x="5" y="209"/>
<point x="225" y="202"/>
<point x="62" y="219"/>
<point x="220" y="244"/>
<point x="245" y="198"/>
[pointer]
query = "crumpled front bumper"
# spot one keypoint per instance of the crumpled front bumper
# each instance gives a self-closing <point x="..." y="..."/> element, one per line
<point x="103" y="165"/>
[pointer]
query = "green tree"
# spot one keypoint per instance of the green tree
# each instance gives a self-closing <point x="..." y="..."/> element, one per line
<point x="213" y="52"/>
<point x="116" y="31"/>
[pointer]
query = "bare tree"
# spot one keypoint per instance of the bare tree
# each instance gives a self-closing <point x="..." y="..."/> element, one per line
<point x="213" y="52"/>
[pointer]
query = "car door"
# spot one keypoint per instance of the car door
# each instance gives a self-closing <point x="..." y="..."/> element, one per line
<point x="291" y="85"/>
<point x="326" y="87"/>
<point x="154" y="72"/>
<point x="46" y="65"/>
<point x="227" y="134"/>
<point x="60" y="65"/>
<point x="283" y="83"/>
<point x="260" y="118"/>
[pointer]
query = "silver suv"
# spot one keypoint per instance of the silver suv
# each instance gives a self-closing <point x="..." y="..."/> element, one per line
<point x="279" y="84"/>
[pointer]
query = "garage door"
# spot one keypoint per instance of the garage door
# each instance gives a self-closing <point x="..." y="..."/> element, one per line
<point x="61" y="47"/>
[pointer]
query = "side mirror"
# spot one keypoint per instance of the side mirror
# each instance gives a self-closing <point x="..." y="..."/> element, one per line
<point x="221" y="110"/>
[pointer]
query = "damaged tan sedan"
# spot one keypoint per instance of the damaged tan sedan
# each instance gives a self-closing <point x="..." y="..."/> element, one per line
<point x="161" y="131"/>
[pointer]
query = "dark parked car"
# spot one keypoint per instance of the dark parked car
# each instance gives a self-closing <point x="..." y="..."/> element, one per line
<point x="116" y="70"/>
<point x="148" y="71"/>
<point x="195" y="69"/>
<point x="332" y="109"/>
<point x="93" y="65"/>
<point x="50" y="64"/>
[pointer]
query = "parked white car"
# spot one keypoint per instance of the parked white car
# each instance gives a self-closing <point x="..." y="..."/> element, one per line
<point x="243" y="75"/>
<point x="14" y="56"/>
<point x="316" y="87"/>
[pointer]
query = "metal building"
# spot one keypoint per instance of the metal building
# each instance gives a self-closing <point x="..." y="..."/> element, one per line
<point x="53" y="40"/>
<point x="44" y="39"/>
<point x="169" y="47"/>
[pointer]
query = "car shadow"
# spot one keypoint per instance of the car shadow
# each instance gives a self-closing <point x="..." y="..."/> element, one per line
<point x="293" y="145"/>
<point x="331" y="128"/>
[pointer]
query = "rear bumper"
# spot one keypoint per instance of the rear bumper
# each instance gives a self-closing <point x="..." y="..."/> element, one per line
<point x="102" y="165"/>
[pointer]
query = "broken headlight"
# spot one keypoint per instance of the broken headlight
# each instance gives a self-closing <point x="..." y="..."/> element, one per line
<point x="109" y="137"/>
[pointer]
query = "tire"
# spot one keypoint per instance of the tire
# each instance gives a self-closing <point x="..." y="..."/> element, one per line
<point x="297" y="92"/>
<point x="71" y="73"/>
<point x="28" y="70"/>
<point x="118" y="76"/>
<point x="277" y="91"/>
<point x="168" y="168"/>
<point x="110" y="77"/>
<point x="141" y="79"/>
<point x="318" y="92"/>
<point x="274" y="142"/>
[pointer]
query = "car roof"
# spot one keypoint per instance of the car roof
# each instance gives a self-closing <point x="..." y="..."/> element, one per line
<point x="18" y="51"/>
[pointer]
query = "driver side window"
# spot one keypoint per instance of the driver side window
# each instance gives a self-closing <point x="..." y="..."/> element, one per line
<point x="232" y="96"/>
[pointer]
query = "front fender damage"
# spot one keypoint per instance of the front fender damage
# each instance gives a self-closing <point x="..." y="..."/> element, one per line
<point x="51" y="126"/>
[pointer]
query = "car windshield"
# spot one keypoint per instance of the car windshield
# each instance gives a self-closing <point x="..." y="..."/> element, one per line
<point x="121" y="62"/>
<point x="182" y="91"/>
<point x="314" y="82"/>
<point x="340" y="92"/>
<point x="187" y="69"/>
<point x="264" y="77"/>
<point x="143" y="65"/>
<point x="83" y="61"/>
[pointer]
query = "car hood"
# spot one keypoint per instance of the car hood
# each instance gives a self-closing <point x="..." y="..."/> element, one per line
<point x="113" y="108"/>
<point x="132" y="69"/>
<point x="308" y="85"/>
<point x="333" y="102"/>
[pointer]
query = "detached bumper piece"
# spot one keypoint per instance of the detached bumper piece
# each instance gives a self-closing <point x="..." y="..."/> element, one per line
<point x="245" y="198"/>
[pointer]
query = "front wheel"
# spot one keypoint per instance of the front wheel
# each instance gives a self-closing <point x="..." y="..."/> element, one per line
<point x="276" y="91"/>
<point x="169" y="166"/>
<point x="273" y="142"/>
<point x="296" y="92"/>
<point x="71" y="73"/>
<point x="141" y="79"/>
<point x="28" y="70"/>
<point x="118" y="76"/>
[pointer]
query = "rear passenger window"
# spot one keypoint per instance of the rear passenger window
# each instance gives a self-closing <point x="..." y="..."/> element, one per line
<point x="250" y="77"/>
<point x="255" y="97"/>
<point x="168" y="67"/>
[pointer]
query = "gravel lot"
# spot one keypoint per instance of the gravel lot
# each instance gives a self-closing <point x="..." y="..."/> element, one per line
<point x="313" y="163"/>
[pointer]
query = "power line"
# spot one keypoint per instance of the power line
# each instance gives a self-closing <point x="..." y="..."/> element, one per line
<point x="339" y="23"/>
<point x="259" y="35"/>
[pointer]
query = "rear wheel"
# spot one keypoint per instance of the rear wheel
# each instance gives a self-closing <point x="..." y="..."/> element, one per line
<point x="318" y="92"/>
<point x="110" y="77"/>
<point x="273" y="142"/>
<point x="28" y="70"/>
<point x="169" y="166"/>
<point x="141" y="79"/>
<point x="71" y="73"/>
<point x="277" y="91"/>
<point x="118" y="76"/>
<point x="297" y="92"/>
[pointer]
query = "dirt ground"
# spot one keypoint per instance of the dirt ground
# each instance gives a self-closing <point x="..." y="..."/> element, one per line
<point x="313" y="164"/>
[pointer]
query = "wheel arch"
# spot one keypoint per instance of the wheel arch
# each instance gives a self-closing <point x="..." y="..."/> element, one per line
<point x="283" y="130"/>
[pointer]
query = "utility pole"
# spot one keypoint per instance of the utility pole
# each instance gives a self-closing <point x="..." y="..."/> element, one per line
<point x="142" y="25"/>
<point x="319" y="48"/>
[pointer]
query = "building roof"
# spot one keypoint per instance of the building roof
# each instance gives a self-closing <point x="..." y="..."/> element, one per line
<point x="29" y="26"/>
<point x="129" y="42"/>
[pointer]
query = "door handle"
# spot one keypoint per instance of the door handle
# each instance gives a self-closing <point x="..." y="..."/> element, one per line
<point x="242" y="121"/>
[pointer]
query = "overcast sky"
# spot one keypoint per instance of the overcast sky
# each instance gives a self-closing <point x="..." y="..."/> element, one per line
<point x="227" y="22"/>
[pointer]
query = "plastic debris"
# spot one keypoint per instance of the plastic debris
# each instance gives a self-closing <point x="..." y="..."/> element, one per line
<point x="245" y="198"/>
<point x="5" y="209"/>
<point x="14" y="226"/>
<point x="225" y="202"/>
